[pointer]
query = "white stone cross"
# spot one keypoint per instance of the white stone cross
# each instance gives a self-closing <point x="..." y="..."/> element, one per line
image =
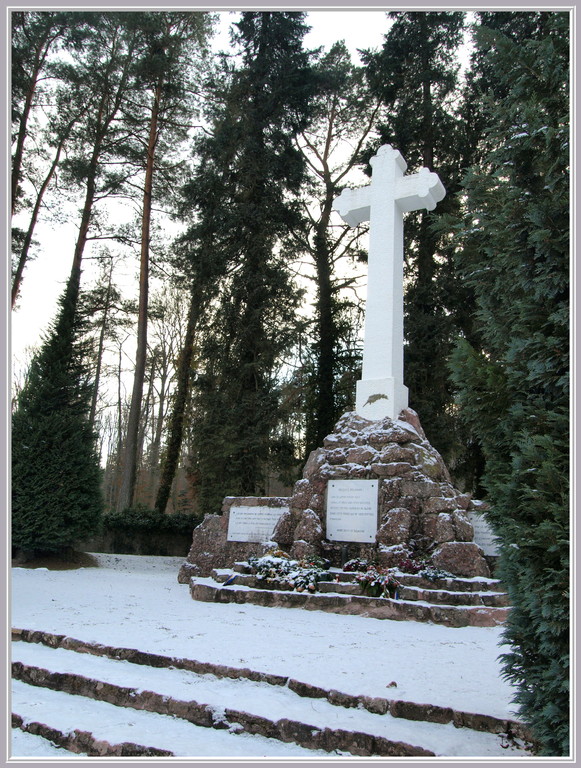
<point x="381" y="391"/>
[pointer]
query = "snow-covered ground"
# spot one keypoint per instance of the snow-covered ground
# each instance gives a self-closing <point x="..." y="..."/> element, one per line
<point x="136" y="602"/>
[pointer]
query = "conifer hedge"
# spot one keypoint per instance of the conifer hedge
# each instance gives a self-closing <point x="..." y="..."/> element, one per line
<point x="513" y="389"/>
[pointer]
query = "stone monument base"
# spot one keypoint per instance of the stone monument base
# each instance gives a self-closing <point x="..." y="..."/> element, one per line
<point x="210" y="546"/>
<point x="420" y="515"/>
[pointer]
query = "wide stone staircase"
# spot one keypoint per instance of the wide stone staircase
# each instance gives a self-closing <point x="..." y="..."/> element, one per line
<point x="451" y="601"/>
<point x="95" y="700"/>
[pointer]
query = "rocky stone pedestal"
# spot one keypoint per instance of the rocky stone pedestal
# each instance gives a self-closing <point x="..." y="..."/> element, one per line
<point x="421" y="514"/>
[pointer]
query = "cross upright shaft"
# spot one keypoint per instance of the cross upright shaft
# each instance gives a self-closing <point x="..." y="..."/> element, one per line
<point x="381" y="391"/>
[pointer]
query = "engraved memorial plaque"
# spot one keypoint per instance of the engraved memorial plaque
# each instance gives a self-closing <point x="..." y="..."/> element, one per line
<point x="483" y="535"/>
<point x="253" y="524"/>
<point x="352" y="510"/>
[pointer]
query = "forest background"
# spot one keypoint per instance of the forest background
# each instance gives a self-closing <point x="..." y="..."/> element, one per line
<point x="240" y="347"/>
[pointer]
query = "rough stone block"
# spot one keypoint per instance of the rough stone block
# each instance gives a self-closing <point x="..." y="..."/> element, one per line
<point x="411" y="417"/>
<point x="409" y="502"/>
<point x="362" y="454"/>
<point x="309" y="528"/>
<point x="427" y="712"/>
<point x="444" y="528"/>
<point x="337" y="456"/>
<point x="394" y="433"/>
<point x="316" y="459"/>
<point x="284" y="530"/>
<point x="463" y="501"/>
<point x="336" y="441"/>
<point x="307" y="690"/>
<point x="420" y="488"/>
<point x="461" y="558"/>
<point x="436" y="504"/>
<point x="302" y="493"/>
<point x="390" y="556"/>
<point x="318" y="502"/>
<point x="393" y="469"/>
<point x="303" y="550"/>
<point x="340" y="699"/>
<point x="375" y="704"/>
<point x="462" y="526"/>
<point x="397" y="453"/>
<point x="395" y="527"/>
<point x="390" y="489"/>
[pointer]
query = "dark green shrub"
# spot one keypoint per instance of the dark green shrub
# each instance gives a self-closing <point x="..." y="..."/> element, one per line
<point x="141" y="518"/>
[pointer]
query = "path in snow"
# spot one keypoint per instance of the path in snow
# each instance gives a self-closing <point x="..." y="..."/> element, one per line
<point x="136" y="602"/>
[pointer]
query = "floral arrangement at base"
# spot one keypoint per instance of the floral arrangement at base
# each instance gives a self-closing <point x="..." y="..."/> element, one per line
<point x="278" y="570"/>
<point x="378" y="582"/>
<point x="356" y="564"/>
<point x="411" y="565"/>
<point x="423" y="568"/>
<point x="431" y="573"/>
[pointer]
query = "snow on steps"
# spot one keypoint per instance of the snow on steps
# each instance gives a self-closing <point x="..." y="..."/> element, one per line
<point x="163" y="686"/>
<point x="99" y="729"/>
<point x="453" y="602"/>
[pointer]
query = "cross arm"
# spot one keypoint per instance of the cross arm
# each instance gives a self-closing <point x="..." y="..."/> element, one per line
<point x="421" y="190"/>
<point x="353" y="205"/>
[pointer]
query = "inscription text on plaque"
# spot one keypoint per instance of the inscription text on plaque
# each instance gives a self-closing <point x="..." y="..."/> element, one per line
<point x="253" y="524"/>
<point x="483" y="535"/>
<point x="352" y="510"/>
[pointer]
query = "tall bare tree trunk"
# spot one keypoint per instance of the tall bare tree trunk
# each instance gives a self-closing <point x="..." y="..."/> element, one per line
<point x="101" y="347"/>
<point x="176" y="426"/>
<point x="127" y="490"/>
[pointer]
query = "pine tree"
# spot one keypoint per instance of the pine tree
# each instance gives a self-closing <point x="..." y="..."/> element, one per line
<point x="513" y="391"/>
<point x="249" y="170"/>
<point x="170" y="44"/>
<point x="56" y="479"/>
<point x="37" y="40"/>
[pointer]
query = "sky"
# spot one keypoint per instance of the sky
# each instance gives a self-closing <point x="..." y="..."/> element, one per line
<point x="405" y="660"/>
<point x="44" y="278"/>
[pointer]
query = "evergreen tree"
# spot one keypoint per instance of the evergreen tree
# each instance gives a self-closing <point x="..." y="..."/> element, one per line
<point x="37" y="40"/>
<point x="35" y="35"/>
<point x="345" y="113"/>
<point x="416" y="76"/>
<point x="170" y="44"/>
<point x="56" y="479"/>
<point x="249" y="169"/>
<point x="513" y="389"/>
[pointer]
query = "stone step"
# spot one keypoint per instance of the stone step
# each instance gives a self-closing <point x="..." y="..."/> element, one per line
<point x="340" y="587"/>
<point x="309" y="736"/>
<point x="100" y="729"/>
<point x="369" y="726"/>
<point x="444" y="597"/>
<point x="449" y="583"/>
<point x="52" y="708"/>
<point x="452" y="584"/>
<point x="209" y="590"/>
<point x="435" y="596"/>
<point x="411" y="589"/>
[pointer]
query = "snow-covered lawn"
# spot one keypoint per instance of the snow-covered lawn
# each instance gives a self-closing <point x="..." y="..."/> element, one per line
<point x="136" y="602"/>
